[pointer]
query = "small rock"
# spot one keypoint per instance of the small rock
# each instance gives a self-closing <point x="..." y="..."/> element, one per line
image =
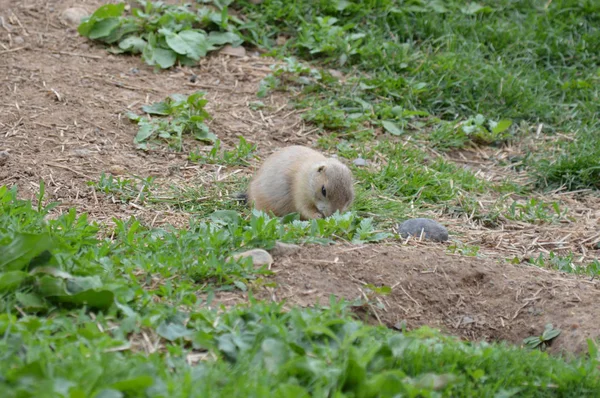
<point x="193" y="78"/>
<point x="281" y="40"/>
<point x="18" y="40"/>
<point x="134" y="71"/>
<point x="431" y="229"/>
<point x="72" y="16"/>
<point x="81" y="153"/>
<point x="336" y="73"/>
<point x="360" y="162"/>
<point x="284" y="249"/>
<point x="117" y="170"/>
<point x="84" y="46"/>
<point x="3" y="157"/>
<point x="467" y="320"/>
<point x="233" y="51"/>
<point x="259" y="257"/>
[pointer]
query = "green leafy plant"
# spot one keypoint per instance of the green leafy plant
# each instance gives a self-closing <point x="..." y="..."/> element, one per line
<point x="290" y="72"/>
<point x="164" y="34"/>
<point x="541" y="341"/>
<point x="325" y="38"/>
<point x="535" y="211"/>
<point x="476" y="130"/>
<point x="186" y="115"/>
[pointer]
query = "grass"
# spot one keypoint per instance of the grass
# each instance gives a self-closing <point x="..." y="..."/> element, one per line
<point x="156" y="337"/>
<point x="523" y="62"/>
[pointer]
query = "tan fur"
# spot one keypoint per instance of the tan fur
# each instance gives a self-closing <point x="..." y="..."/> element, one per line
<point x="291" y="180"/>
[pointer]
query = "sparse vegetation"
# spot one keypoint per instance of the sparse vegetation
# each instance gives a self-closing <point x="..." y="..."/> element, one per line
<point x="239" y="155"/>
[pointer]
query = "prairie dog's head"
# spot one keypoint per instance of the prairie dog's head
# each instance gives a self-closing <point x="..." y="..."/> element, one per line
<point x="331" y="187"/>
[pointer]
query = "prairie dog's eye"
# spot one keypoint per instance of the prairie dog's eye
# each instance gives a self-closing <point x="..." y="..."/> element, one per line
<point x="324" y="191"/>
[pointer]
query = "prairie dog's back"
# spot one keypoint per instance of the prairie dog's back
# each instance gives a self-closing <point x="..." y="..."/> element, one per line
<point x="271" y="187"/>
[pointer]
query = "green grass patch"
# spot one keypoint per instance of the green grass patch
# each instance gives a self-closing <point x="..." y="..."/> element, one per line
<point x="574" y="165"/>
<point x="463" y="64"/>
<point x="63" y="257"/>
<point x="261" y="350"/>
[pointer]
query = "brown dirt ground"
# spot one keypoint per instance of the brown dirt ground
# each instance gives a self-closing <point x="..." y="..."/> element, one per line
<point x="475" y="298"/>
<point x="63" y="101"/>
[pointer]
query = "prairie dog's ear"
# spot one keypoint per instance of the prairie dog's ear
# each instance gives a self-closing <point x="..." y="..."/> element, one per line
<point x="321" y="168"/>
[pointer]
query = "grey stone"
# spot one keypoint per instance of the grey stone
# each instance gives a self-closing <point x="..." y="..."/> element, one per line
<point x="18" y="40"/>
<point x="431" y="229"/>
<point x="3" y="157"/>
<point x="72" y="16"/>
<point x="81" y="153"/>
<point x="360" y="162"/>
<point x="284" y="249"/>
<point x="259" y="257"/>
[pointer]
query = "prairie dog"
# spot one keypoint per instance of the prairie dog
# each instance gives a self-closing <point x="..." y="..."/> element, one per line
<point x="300" y="179"/>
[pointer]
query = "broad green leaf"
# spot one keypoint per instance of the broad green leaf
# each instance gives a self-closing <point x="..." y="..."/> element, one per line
<point x="23" y="249"/>
<point x="550" y="333"/>
<point x="145" y="131"/>
<point x="158" y="108"/>
<point x="291" y="391"/>
<point x="52" y="272"/>
<point x="227" y="346"/>
<point x="532" y="342"/>
<point x="291" y="217"/>
<point x="62" y="290"/>
<point x="391" y="127"/>
<point x="502" y="126"/>
<point x="221" y="38"/>
<point x="240" y="285"/>
<point x="30" y="302"/>
<point x="189" y="42"/>
<point x="164" y="58"/>
<point x="479" y="119"/>
<point x="79" y="284"/>
<point x="133" y="44"/>
<point x="134" y="385"/>
<point x="432" y="381"/>
<point x="341" y="5"/>
<point x="109" y="393"/>
<point x="173" y="331"/>
<point x="11" y="280"/>
<point x="230" y="217"/>
<point x="275" y="354"/>
<point x="105" y="11"/>
<point x="109" y="10"/>
<point x="202" y="134"/>
<point x="103" y="28"/>
<point x="133" y="116"/>
<point x="355" y="374"/>
<point x="124" y="29"/>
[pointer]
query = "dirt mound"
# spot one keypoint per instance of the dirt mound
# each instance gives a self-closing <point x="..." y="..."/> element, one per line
<point x="475" y="298"/>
